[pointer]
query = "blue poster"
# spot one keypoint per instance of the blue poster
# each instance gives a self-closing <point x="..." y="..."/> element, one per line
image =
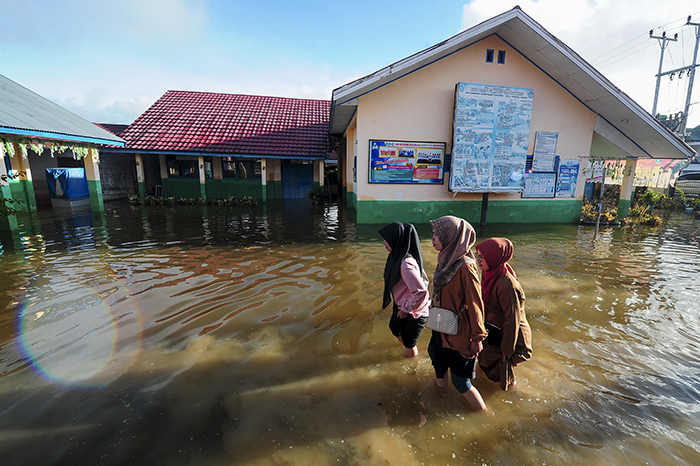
<point x="568" y="178"/>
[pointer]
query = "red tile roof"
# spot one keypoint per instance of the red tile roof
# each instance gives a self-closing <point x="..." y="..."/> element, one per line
<point x="113" y="128"/>
<point x="232" y="124"/>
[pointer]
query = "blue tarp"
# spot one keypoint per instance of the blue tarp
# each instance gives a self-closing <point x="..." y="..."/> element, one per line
<point x="72" y="181"/>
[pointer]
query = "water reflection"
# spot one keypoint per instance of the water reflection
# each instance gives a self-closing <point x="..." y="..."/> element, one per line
<point x="255" y="336"/>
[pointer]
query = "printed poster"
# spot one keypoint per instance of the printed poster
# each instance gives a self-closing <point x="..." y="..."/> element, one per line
<point x="406" y="162"/>
<point x="539" y="184"/>
<point x="491" y="130"/>
<point x="567" y="178"/>
<point x="544" y="156"/>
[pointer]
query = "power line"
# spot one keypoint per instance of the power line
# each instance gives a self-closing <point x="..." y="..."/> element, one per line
<point x="606" y="62"/>
<point x="603" y="64"/>
<point x="619" y="46"/>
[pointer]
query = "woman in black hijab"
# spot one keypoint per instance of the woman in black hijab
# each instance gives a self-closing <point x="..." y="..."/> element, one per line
<point x="405" y="281"/>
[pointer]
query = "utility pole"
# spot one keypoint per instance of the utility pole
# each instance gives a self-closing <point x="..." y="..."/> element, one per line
<point x="691" y="74"/>
<point x="663" y="40"/>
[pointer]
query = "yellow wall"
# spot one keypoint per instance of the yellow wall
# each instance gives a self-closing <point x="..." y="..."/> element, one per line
<point x="350" y="136"/>
<point x="419" y="107"/>
<point x="273" y="169"/>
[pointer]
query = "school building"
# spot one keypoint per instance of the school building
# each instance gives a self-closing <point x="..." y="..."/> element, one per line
<point x="213" y="146"/>
<point x="500" y="120"/>
<point x="48" y="155"/>
<point x="499" y="123"/>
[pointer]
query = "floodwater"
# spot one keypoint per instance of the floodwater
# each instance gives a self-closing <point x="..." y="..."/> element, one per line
<point x="236" y="336"/>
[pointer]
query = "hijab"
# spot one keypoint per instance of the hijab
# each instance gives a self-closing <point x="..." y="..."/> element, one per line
<point x="404" y="241"/>
<point x="496" y="252"/>
<point x="457" y="237"/>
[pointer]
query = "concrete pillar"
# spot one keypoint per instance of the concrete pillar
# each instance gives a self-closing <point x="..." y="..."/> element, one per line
<point x="92" y="174"/>
<point x="7" y="222"/>
<point x="627" y="188"/>
<point x="140" y="178"/>
<point x="22" y="186"/>
<point x="218" y="169"/>
<point x="5" y="191"/>
<point x="163" y="175"/>
<point x="263" y="178"/>
<point x="202" y="178"/>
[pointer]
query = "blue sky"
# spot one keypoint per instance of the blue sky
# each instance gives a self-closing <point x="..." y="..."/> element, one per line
<point x="109" y="60"/>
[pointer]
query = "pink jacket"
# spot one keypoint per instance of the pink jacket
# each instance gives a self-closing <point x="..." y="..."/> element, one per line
<point x="411" y="292"/>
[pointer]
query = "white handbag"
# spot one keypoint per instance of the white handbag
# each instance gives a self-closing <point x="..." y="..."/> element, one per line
<point x="443" y="320"/>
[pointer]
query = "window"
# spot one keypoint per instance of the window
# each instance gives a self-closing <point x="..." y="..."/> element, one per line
<point x="489" y="55"/>
<point x="208" y="168"/>
<point x="241" y="169"/>
<point x="501" y="57"/>
<point x="180" y="167"/>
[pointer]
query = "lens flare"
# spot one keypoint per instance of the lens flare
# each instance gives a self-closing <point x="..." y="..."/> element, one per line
<point x="79" y="335"/>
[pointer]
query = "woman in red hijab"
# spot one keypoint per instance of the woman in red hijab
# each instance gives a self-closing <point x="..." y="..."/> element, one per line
<point x="509" y="341"/>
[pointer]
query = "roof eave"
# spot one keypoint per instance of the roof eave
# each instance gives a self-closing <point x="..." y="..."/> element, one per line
<point x="53" y="136"/>
<point x="127" y="150"/>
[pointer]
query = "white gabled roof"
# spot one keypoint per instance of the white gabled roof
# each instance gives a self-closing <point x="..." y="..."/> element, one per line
<point x="24" y="113"/>
<point x="622" y="115"/>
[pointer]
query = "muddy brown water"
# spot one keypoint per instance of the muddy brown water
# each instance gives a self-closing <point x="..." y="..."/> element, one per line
<point x="222" y="336"/>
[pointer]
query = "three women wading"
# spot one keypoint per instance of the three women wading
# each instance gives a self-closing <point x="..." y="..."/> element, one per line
<point x="406" y="281"/>
<point x="509" y="341"/>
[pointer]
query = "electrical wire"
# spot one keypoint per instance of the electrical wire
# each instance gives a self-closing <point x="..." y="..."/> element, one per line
<point x="627" y="53"/>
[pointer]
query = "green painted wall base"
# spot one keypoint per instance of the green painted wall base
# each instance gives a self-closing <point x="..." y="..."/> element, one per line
<point x="525" y="211"/>
<point x="349" y="199"/>
<point x="9" y="224"/>
<point x="181" y="187"/>
<point x="221" y="189"/>
<point x="23" y="190"/>
<point x="623" y="208"/>
<point x="142" y="190"/>
<point x="274" y="189"/>
<point x="190" y="188"/>
<point x="96" y="200"/>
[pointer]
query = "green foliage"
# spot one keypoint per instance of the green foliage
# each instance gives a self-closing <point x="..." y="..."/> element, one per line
<point x="693" y="202"/>
<point x="642" y="214"/>
<point x="589" y="211"/>
<point x="317" y="195"/>
<point x="7" y="208"/>
<point x="662" y="201"/>
<point x="171" y="201"/>
<point x="648" y="198"/>
<point x="79" y="152"/>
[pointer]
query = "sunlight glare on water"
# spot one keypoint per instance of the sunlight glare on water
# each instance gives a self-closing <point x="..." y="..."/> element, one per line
<point x="217" y="336"/>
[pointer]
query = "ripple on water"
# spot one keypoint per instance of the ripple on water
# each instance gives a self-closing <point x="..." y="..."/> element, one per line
<point x="257" y="337"/>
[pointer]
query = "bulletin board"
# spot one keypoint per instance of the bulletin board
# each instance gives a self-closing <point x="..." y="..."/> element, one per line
<point x="539" y="184"/>
<point x="406" y="162"/>
<point x="490" y="134"/>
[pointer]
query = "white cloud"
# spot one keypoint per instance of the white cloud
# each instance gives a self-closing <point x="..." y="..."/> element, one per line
<point x="99" y="106"/>
<point x="153" y="21"/>
<point x="613" y="36"/>
<point x="113" y="24"/>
